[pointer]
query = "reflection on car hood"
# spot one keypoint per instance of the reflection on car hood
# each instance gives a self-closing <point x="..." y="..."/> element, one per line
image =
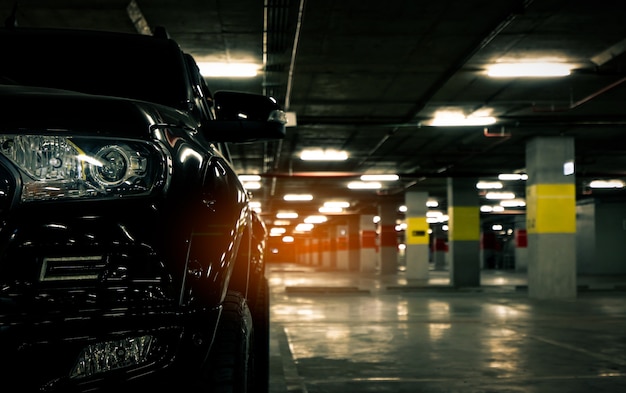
<point x="63" y="110"/>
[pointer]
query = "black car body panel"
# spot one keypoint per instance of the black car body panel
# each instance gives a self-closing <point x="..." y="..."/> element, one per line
<point x="136" y="251"/>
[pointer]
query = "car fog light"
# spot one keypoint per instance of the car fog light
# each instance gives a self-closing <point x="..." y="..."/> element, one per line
<point x="110" y="355"/>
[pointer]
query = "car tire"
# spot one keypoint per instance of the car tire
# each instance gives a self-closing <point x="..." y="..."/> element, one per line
<point x="231" y="364"/>
<point x="261" y="320"/>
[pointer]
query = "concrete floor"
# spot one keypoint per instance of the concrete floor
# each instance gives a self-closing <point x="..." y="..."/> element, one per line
<point x="350" y="332"/>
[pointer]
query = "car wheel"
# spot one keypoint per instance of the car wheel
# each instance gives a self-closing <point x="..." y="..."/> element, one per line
<point x="231" y="368"/>
<point x="261" y="319"/>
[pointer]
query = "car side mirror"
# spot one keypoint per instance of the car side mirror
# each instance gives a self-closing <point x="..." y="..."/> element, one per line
<point x="245" y="117"/>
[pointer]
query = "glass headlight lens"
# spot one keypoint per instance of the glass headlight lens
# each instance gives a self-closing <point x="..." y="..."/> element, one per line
<point x="59" y="167"/>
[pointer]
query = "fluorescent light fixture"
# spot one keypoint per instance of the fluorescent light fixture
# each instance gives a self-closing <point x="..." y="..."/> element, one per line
<point x="252" y="185"/>
<point x="403" y="209"/>
<point x="606" y="184"/>
<point x="255" y="204"/>
<point x="500" y="195"/>
<point x="513" y="203"/>
<point x="323" y="155"/>
<point x="512" y="176"/>
<point x="491" y="209"/>
<point x="568" y="168"/>
<point x="489" y="185"/>
<point x="456" y="118"/>
<point x="277" y="231"/>
<point x="496" y="227"/>
<point x="286" y="215"/>
<point x="330" y="209"/>
<point x="379" y="177"/>
<point x="298" y="197"/>
<point x="528" y="69"/>
<point x="432" y="203"/>
<point x="228" y="70"/>
<point x="341" y="204"/>
<point x="303" y="227"/>
<point x="245" y="178"/>
<point x="361" y="185"/>
<point x="315" y="219"/>
<point x="279" y="223"/>
<point x="288" y="239"/>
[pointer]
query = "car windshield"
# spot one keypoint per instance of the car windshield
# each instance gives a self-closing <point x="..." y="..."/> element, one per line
<point x="129" y="66"/>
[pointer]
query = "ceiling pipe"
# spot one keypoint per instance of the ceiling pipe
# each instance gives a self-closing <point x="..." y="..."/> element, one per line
<point x="517" y="9"/>
<point x="582" y="101"/>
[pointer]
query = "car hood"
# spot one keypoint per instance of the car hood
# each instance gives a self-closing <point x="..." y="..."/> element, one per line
<point x="36" y="108"/>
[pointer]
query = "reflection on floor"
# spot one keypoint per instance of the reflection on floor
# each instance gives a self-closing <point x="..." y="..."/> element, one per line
<point x="353" y="332"/>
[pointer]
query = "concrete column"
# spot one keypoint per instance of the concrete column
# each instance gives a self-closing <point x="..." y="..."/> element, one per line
<point x="551" y="218"/>
<point x="325" y="247"/>
<point x="417" y="238"/>
<point x="354" y="247"/>
<point x="314" y="251"/>
<point x="301" y="251"/>
<point x="368" y="254"/>
<point x="464" y="232"/>
<point x="388" y="256"/>
<point x="341" y="248"/>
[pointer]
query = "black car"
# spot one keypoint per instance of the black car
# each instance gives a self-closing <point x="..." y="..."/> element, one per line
<point x="129" y="254"/>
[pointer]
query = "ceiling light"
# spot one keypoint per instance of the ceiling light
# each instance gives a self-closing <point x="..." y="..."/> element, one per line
<point x="303" y="227"/>
<point x="534" y="69"/>
<point x="606" y="184"/>
<point x="286" y="215"/>
<point x="513" y="203"/>
<point x="288" y="239"/>
<point x="323" y="155"/>
<point x="315" y="219"/>
<point x="341" y="204"/>
<point x="226" y="70"/>
<point x="245" y="178"/>
<point x="277" y="231"/>
<point x="252" y="185"/>
<point x="361" y="185"/>
<point x="379" y="177"/>
<point x="456" y="118"/>
<point x="281" y="223"/>
<point x="330" y="209"/>
<point x="513" y="176"/>
<point x="432" y="203"/>
<point x="488" y="185"/>
<point x="298" y="197"/>
<point x="500" y="195"/>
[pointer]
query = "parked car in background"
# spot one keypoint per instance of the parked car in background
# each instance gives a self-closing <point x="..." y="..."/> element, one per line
<point x="129" y="254"/>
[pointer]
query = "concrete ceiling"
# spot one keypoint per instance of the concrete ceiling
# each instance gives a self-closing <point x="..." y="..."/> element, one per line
<point x="366" y="76"/>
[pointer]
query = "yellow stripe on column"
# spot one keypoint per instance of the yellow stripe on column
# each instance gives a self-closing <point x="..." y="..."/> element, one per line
<point x="464" y="223"/>
<point x="416" y="230"/>
<point x="551" y="208"/>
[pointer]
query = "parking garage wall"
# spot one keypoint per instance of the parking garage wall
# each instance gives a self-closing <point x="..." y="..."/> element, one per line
<point x="601" y="237"/>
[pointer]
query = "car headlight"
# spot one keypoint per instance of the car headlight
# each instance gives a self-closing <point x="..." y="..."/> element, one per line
<point x="60" y="167"/>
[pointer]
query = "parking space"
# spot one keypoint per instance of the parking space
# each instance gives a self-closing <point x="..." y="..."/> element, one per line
<point x="339" y="331"/>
